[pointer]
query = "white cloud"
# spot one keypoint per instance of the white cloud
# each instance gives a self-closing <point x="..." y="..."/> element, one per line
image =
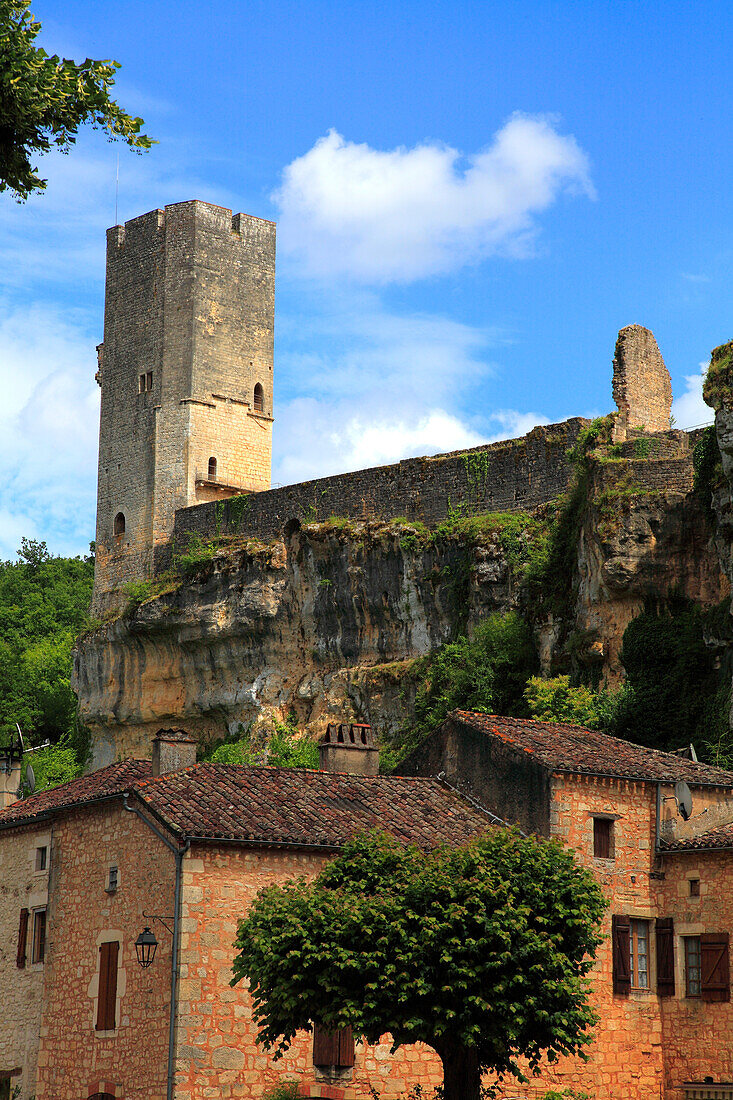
<point x="350" y="210"/>
<point x="48" y="430"/>
<point x="689" y="410"/>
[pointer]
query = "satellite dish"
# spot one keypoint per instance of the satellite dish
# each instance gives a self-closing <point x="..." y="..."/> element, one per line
<point x="683" y="798"/>
<point x="30" y="779"/>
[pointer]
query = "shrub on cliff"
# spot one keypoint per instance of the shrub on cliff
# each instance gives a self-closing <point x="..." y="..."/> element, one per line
<point x="717" y="388"/>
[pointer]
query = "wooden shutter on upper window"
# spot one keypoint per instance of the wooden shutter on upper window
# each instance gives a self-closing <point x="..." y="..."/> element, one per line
<point x="22" y="938"/>
<point x="714" y="967"/>
<point x="665" y="956"/>
<point x="333" y="1048"/>
<point x="620" y="933"/>
<point x="107" y="997"/>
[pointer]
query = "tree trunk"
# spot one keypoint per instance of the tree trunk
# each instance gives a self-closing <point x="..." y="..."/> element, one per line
<point x="461" y="1073"/>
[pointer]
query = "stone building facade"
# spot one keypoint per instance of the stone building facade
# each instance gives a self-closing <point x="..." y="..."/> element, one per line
<point x="186" y="372"/>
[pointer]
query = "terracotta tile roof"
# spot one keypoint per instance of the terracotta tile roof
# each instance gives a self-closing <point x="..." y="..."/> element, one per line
<point x="565" y="748"/>
<point x="87" y="788"/>
<point x="715" y="838"/>
<point x="309" y="808"/>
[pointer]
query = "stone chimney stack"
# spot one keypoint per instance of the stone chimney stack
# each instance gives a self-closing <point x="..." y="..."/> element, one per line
<point x="173" y="750"/>
<point x="349" y="748"/>
<point x="10" y="769"/>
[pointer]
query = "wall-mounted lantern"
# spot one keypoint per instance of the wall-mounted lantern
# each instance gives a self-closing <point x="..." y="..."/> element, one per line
<point x="145" y="948"/>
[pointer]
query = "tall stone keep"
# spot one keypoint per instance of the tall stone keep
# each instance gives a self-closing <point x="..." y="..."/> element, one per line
<point x="642" y="388"/>
<point x="186" y="377"/>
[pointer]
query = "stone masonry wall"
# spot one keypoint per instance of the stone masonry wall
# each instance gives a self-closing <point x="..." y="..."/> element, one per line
<point x="75" y="1060"/>
<point x="508" y="476"/>
<point x="21" y="887"/>
<point x="217" y="1054"/>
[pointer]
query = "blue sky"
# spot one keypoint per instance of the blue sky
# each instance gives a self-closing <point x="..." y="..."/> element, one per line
<point x="472" y="198"/>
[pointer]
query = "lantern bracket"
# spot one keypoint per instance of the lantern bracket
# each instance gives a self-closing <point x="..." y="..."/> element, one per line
<point x="161" y="920"/>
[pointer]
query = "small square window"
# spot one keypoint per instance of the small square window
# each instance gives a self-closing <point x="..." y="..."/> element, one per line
<point x="39" y="936"/>
<point x="693" y="966"/>
<point x="603" y="837"/>
<point x="694" y="887"/>
<point x="41" y="858"/>
<point x="113" y="879"/>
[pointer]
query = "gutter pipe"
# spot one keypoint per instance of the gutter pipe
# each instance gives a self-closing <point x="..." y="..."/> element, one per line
<point x="179" y="853"/>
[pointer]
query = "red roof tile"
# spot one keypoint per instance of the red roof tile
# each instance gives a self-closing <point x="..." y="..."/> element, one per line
<point x="100" y="784"/>
<point x="308" y="808"/>
<point x="715" y="838"/>
<point x="565" y="748"/>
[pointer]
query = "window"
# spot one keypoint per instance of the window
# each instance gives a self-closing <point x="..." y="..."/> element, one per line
<point x="145" y="382"/>
<point x="333" y="1048"/>
<point x="664" y="930"/>
<point x="119" y="524"/>
<point x="141" y="384"/>
<point x="692" y="966"/>
<point x="603" y="837"/>
<point x="107" y="995"/>
<point x="22" y="938"/>
<point x="39" y="936"/>
<point x="149" y="381"/>
<point x="112" y="880"/>
<point x="694" y="887"/>
<point x="259" y="399"/>
<point x="639" y="954"/>
<point x="41" y="858"/>
<point x="714" y="967"/>
<point x="212" y="469"/>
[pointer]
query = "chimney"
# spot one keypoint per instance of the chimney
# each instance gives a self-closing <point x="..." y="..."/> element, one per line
<point x="349" y="748"/>
<point x="173" y="750"/>
<point x="10" y="769"/>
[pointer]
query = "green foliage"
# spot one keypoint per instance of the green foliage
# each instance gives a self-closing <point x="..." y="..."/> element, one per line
<point x="708" y="468"/>
<point x="286" y="748"/>
<point x="485" y="673"/>
<point x="482" y="951"/>
<point x="45" y="99"/>
<point x="54" y="765"/>
<point x="717" y="388"/>
<point x="285" y="1090"/>
<point x="477" y="465"/>
<point x="198" y="552"/>
<point x="44" y="602"/>
<point x="675" y="694"/>
<point x="554" y="700"/>
<point x="236" y="509"/>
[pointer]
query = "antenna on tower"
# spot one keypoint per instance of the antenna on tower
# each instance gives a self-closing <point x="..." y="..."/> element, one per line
<point x="117" y="184"/>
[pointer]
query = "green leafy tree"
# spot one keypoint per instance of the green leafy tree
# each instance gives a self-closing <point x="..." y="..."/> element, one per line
<point x="44" y="99"/>
<point x="554" y="700"/>
<point x="286" y="748"/>
<point x="481" y="951"/>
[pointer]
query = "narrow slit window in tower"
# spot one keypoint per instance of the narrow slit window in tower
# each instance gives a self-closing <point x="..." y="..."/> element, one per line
<point x="259" y="398"/>
<point x="119" y="524"/>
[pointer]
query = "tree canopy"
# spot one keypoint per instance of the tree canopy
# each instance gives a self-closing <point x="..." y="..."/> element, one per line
<point x="44" y="99"/>
<point x="482" y="952"/>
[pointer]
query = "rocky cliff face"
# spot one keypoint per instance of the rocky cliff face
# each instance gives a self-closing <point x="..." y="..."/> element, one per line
<point x="326" y="620"/>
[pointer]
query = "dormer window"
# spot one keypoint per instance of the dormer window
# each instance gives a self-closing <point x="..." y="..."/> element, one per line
<point x="259" y="398"/>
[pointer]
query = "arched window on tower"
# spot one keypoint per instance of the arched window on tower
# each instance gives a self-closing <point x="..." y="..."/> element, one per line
<point x="212" y="469"/>
<point x="119" y="524"/>
<point x="259" y="398"/>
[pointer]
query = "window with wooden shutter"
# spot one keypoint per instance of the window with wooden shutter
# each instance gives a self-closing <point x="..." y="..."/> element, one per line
<point x="620" y="933"/>
<point x="107" y="997"/>
<point x="333" y="1048"/>
<point x="602" y="837"/>
<point x="665" y="956"/>
<point x="22" y="938"/>
<point x="714" y="967"/>
<point x="38" y="953"/>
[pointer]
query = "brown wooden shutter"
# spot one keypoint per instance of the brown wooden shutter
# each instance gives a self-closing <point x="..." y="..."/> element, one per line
<point x="665" y="956"/>
<point x="107" y="998"/>
<point x="22" y="938"/>
<point x="333" y="1048"/>
<point x="714" y="967"/>
<point x="620" y="933"/>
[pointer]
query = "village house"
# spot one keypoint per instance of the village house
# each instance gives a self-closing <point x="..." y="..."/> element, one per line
<point x="174" y="851"/>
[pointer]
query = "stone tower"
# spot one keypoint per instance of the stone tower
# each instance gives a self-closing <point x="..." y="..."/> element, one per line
<point x="186" y="377"/>
<point x="642" y="388"/>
